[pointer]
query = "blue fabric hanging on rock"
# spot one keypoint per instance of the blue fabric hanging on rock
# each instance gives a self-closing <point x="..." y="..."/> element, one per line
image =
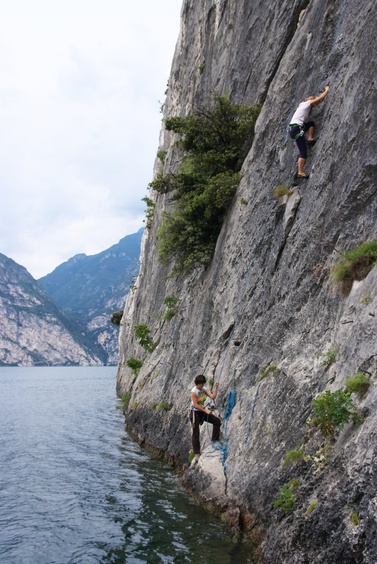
<point x="232" y="399"/>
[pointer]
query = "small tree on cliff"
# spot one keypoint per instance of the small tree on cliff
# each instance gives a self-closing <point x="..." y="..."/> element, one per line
<point x="213" y="143"/>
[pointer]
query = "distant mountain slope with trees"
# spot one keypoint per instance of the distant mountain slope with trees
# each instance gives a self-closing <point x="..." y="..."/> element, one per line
<point x="91" y="288"/>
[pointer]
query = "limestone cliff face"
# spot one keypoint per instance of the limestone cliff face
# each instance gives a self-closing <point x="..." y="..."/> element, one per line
<point x="267" y="299"/>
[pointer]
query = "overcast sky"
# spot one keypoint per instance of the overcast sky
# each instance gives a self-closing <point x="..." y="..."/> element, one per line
<point x="81" y="86"/>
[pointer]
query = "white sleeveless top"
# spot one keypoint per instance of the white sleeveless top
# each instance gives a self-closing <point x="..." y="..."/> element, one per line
<point x="302" y="113"/>
<point x="199" y="394"/>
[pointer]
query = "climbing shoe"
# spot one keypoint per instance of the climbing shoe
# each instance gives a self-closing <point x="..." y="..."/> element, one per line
<point x="195" y="460"/>
<point x="305" y="176"/>
<point x="311" y="142"/>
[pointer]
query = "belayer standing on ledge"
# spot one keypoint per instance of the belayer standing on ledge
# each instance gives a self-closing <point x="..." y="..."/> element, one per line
<point x="299" y="126"/>
<point x="198" y="414"/>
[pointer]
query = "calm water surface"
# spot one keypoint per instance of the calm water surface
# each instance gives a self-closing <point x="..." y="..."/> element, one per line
<point x="75" y="489"/>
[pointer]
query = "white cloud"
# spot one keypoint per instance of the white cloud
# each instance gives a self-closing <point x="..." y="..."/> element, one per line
<point x="82" y="82"/>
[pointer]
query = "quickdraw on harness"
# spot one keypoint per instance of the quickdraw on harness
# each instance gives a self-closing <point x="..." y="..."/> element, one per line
<point x="300" y="133"/>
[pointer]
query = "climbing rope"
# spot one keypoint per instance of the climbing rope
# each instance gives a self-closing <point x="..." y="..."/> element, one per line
<point x="316" y="16"/>
<point x="217" y="445"/>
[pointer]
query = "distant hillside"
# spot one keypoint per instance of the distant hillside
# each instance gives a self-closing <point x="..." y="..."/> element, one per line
<point x="33" y="330"/>
<point x="91" y="288"/>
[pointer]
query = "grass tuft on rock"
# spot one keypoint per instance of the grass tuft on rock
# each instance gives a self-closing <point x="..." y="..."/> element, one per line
<point x="354" y="264"/>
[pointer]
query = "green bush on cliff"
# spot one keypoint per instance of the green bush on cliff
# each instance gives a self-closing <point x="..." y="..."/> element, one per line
<point x="150" y="211"/>
<point x="293" y="456"/>
<point x="328" y="357"/>
<point x="135" y="365"/>
<point x="282" y="190"/>
<point x="126" y="399"/>
<point x="144" y="339"/>
<point x="287" y="498"/>
<point x="171" y="303"/>
<point x="358" y="383"/>
<point x="333" y="410"/>
<point x="165" y="406"/>
<point x="213" y="143"/>
<point x="269" y="370"/>
<point x="116" y="317"/>
<point x="355" y="264"/>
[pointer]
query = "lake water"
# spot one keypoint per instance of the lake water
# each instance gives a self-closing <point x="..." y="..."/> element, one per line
<point x="75" y="489"/>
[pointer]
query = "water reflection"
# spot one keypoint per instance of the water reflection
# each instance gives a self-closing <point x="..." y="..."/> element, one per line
<point x="75" y="489"/>
<point x="160" y="521"/>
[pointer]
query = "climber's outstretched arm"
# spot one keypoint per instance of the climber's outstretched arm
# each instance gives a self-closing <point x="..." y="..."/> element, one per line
<point x="319" y="98"/>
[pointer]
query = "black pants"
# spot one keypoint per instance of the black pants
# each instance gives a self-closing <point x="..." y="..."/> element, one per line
<point x="301" y="141"/>
<point x="197" y="417"/>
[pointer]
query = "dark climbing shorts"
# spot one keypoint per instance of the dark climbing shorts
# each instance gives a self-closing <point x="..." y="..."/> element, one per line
<point x="301" y="141"/>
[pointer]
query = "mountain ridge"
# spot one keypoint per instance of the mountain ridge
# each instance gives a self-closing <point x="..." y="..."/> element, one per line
<point x="34" y="331"/>
<point x="91" y="288"/>
<point x="37" y="330"/>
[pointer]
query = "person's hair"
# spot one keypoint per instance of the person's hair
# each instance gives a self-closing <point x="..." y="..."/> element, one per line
<point x="310" y="98"/>
<point x="201" y="379"/>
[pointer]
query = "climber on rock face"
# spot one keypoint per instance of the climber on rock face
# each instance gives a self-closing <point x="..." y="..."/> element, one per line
<point x="198" y="413"/>
<point x="299" y="126"/>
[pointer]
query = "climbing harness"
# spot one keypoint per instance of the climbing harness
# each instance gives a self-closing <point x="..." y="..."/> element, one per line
<point x="300" y="133"/>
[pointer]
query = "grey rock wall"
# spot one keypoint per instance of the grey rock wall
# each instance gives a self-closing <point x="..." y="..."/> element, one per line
<point x="267" y="298"/>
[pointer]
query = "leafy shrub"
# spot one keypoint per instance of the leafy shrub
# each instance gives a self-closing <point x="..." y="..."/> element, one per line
<point x="171" y="303"/>
<point x="161" y="155"/>
<point x="135" y="365"/>
<point x="358" y="383"/>
<point x="333" y="410"/>
<point x="286" y="498"/>
<point x="191" y="455"/>
<point x="144" y="339"/>
<point x="268" y="370"/>
<point x="329" y="358"/>
<point x="355" y="264"/>
<point x="293" y="456"/>
<point x="150" y="211"/>
<point x="116" y="317"/>
<point x="126" y="399"/>
<point x="213" y="142"/>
